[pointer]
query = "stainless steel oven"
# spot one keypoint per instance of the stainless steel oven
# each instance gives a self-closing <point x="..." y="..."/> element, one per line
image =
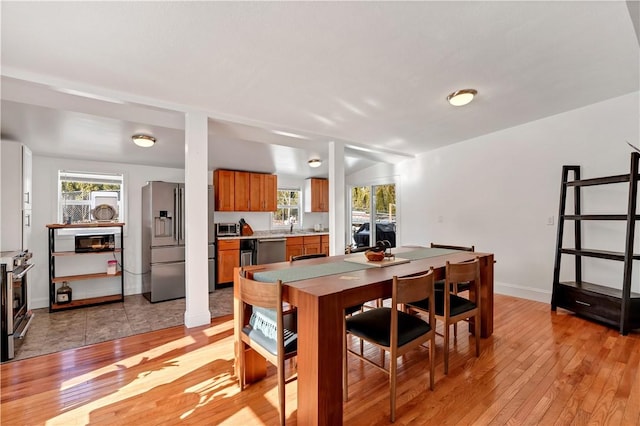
<point x="16" y="318"/>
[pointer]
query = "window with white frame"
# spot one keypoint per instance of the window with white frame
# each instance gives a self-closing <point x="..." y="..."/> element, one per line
<point x="79" y="193"/>
<point x="288" y="210"/>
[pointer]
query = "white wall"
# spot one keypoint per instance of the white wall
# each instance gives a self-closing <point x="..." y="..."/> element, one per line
<point x="45" y="192"/>
<point x="498" y="192"/>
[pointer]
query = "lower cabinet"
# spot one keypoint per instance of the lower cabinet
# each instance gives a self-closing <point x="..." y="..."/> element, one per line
<point x="324" y="244"/>
<point x="295" y="246"/>
<point x="228" y="257"/>
<point x="312" y="245"/>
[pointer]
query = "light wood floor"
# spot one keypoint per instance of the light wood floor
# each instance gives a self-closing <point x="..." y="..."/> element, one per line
<point x="538" y="367"/>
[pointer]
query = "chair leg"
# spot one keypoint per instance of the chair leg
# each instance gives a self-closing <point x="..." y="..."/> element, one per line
<point x="241" y="367"/>
<point x="455" y="331"/>
<point x="477" y="336"/>
<point x="446" y="347"/>
<point x="281" y="393"/>
<point x="432" y="364"/>
<point x="393" y="370"/>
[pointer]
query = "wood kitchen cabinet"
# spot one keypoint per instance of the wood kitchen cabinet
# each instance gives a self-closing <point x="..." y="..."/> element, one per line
<point x="324" y="244"/>
<point x="224" y="190"/>
<point x="316" y="197"/>
<point x="242" y="190"/>
<point x="245" y="191"/>
<point x="263" y="192"/>
<point x="228" y="257"/>
<point x="312" y="244"/>
<point x="295" y="247"/>
<point x="269" y="193"/>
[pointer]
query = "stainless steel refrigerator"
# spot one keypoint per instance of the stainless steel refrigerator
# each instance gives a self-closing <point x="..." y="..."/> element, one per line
<point x="163" y="252"/>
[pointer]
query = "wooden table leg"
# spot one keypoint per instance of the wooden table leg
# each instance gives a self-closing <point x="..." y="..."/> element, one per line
<point x="319" y="360"/>
<point x="486" y="298"/>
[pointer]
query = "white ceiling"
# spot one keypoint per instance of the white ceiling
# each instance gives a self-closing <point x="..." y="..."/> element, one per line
<point x="373" y="75"/>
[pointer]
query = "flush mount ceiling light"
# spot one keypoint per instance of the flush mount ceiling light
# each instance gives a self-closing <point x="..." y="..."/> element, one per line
<point x="315" y="162"/>
<point x="461" y="97"/>
<point x="143" y="140"/>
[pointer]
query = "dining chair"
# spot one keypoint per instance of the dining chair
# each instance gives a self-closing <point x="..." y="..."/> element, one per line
<point x="458" y="287"/>
<point x="307" y="256"/>
<point x="395" y="331"/>
<point x="452" y="308"/>
<point x="264" y="331"/>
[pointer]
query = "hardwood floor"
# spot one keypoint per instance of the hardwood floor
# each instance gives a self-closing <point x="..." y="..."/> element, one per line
<point x="539" y="367"/>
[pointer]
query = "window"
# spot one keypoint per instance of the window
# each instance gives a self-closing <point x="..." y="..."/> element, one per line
<point x="383" y="204"/>
<point x="79" y="193"/>
<point x="288" y="211"/>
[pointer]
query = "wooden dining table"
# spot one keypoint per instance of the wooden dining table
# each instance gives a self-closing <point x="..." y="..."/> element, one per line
<point x="320" y="302"/>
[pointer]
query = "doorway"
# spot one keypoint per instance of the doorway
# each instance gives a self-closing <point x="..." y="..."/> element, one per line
<point x="373" y="215"/>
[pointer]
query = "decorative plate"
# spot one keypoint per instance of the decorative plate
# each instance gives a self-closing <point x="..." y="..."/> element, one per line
<point x="103" y="212"/>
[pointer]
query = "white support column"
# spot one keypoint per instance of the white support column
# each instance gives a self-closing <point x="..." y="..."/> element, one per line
<point x="196" y="178"/>
<point x="337" y="210"/>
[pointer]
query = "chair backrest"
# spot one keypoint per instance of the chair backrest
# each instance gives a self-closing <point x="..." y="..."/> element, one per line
<point x="448" y="246"/>
<point x="307" y="256"/>
<point x="257" y="293"/>
<point x="412" y="289"/>
<point x="463" y="272"/>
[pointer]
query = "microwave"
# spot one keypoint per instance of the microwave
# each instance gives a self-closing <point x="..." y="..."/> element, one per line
<point x="227" y="229"/>
<point x="95" y="243"/>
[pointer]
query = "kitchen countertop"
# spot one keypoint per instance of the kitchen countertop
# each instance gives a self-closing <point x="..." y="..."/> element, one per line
<point x="277" y="234"/>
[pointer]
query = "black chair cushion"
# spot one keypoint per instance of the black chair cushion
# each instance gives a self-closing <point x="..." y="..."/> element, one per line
<point x="459" y="304"/>
<point x="375" y="326"/>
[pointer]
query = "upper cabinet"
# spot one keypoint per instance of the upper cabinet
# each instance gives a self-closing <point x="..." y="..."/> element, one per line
<point x="316" y="197"/>
<point x="224" y="190"/>
<point x="245" y="191"/>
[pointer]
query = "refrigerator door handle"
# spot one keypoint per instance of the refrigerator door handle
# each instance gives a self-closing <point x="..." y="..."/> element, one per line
<point x="176" y="213"/>
<point x="182" y="218"/>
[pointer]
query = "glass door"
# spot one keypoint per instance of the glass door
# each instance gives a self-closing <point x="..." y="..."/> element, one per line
<point x="368" y="228"/>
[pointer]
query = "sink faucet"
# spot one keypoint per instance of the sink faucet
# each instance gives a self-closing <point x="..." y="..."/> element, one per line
<point x="291" y="228"/>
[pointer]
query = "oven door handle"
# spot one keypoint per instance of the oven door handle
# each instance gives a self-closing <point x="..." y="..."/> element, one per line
<point x="24" y="271"/>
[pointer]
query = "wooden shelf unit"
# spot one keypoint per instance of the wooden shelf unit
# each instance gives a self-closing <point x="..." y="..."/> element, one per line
<point x="57" y="279"/>
<point x="616" y="307"/>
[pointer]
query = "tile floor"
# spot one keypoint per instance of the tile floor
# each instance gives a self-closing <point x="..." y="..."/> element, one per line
<point x="58" y="331"/>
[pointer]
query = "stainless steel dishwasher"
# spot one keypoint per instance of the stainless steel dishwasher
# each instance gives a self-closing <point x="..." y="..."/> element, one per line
<point x="271" y="250"/>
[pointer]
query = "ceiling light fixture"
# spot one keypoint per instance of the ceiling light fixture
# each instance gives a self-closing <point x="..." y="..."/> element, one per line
<point x="461" y="97"/>
<point x="143" y="140"/>
<point x="315" y="162"/>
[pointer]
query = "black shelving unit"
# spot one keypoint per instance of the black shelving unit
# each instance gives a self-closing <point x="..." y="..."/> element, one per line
<point x="57" y="279"/>
<point x="616" y="307"/>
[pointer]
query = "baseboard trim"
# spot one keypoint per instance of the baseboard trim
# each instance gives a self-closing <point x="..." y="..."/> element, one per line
<point x="522" y="292"/>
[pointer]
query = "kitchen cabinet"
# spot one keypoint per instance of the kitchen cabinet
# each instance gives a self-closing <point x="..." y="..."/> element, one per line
<point x="312" y="244"/>
<point x="245" y="191"/>
<point x="242" y="190"/>
<point x="324" y="244"/>
<point x="295" y="247"/>
<point x="17" y="196"/>
<point x="263" y="191"/>
<point x="316" y="196"/>
<point x="228" y="257"/>
<point x="224" y="190"/>
<point x="80" y="261"/>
